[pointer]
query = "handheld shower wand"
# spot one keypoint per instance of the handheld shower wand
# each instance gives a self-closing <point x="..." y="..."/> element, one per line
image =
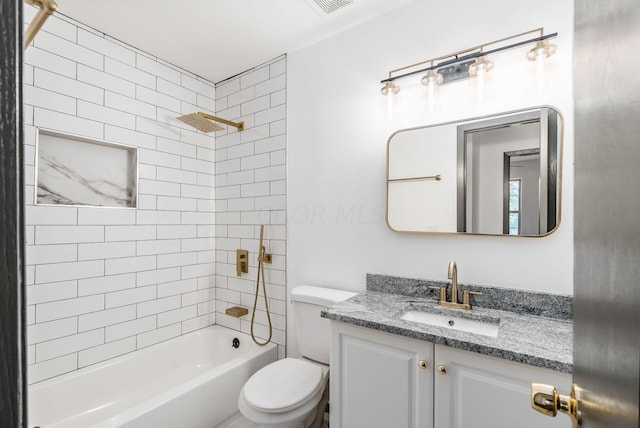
<point x="261" y="258"/>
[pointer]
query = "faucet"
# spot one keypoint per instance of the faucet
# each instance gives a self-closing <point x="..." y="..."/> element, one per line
<point x="452" y="273"/>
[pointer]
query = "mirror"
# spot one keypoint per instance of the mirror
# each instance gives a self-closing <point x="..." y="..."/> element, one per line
<point x="493" y="175"/>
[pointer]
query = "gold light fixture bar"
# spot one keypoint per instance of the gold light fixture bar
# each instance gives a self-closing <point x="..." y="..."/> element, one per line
<point x="47" y="8"/>
<point x="465" y="55"/>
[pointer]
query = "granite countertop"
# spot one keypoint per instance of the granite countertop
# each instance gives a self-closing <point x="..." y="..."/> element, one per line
<point x="535" y="340"/>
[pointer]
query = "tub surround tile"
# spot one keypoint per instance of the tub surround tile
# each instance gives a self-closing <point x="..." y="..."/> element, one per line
<point x="101" y="268"/>
<point x="535" y="328"/>
<point x="51" y="368"/>
<point x="88" y="268"/>
<point x="251" y="190"/>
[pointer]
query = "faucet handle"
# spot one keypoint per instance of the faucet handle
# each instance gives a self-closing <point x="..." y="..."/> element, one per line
<point x="443" y="292"/>
<point x="465" y="296"/>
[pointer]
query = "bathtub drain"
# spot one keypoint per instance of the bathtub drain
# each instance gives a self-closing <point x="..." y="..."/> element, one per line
<point x="235" y="343"/>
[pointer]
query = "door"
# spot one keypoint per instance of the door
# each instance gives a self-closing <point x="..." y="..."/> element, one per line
<point x="607" y="207"/>
<point x="606" y="351"/>
<point x="12" y="347"/>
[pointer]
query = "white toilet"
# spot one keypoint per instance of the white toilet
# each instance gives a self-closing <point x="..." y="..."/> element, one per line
<point x="293" y="392"/>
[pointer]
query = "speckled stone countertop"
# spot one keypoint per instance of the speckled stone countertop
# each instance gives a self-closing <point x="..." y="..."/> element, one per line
<point x="531" y="339"/>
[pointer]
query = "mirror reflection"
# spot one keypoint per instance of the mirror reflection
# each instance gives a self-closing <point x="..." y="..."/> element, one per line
<point x="496" y="175"/>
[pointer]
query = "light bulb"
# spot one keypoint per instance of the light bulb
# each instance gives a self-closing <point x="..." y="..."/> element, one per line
<point x="541" y="50"/>
<point x="432" y="79"/>
<point x="389" y="89"/>
<point x="480" y="66"/>
<point x="479" y="69"/>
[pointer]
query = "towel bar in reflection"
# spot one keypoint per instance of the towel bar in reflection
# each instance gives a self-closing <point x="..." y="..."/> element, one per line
<point x="437" y="177"/>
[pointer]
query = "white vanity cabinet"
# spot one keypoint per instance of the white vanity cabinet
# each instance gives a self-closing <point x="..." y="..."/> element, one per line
<point x="477" y="391"/>
<point x="379" y="380"/>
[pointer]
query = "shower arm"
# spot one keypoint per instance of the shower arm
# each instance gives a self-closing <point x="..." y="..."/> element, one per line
<point x="47" y="8"/>
<point x="239" y="125"/>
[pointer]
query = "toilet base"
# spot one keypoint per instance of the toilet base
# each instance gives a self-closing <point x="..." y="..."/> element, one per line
<point x="310" y="419"/>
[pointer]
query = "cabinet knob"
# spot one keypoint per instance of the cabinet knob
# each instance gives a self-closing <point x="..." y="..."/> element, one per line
<point x="423" y="364"/>
<point x="442" y="369"/>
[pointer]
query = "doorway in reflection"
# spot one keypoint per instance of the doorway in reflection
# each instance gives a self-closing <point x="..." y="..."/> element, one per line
<point x="507" y="175"/>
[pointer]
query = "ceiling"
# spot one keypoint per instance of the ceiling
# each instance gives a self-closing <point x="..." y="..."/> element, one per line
<point x="217" y="39"/>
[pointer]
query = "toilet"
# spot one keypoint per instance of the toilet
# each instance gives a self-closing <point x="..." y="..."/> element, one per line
<point x="293" y="392"/>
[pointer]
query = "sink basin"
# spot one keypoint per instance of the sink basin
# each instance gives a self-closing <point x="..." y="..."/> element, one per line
<point x="477" y="326"/>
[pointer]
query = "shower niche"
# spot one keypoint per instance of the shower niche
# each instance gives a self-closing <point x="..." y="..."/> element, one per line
<point x="79" y="171"/>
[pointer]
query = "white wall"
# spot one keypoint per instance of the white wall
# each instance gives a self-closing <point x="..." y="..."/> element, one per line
<point x="426" y="205"/>
<point x="250" y="191"/>
<point x="102" y="281"/>
<point x="337" y="134"/>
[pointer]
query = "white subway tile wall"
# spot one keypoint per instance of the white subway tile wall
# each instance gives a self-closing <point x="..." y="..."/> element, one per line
<point x="250" y="191"/>
<point x="102" y="281"/>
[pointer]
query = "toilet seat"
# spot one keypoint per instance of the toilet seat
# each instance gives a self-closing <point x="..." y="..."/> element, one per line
<point x="284" y="385"/>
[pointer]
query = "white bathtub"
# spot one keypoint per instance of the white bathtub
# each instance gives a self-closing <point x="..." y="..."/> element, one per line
<point x="192" y="381"/>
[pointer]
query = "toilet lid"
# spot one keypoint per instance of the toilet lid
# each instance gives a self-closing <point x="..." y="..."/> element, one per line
<point x="283" y="385"/>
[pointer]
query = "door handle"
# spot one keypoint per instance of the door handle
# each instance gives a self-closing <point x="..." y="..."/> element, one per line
<point x="546" y="400"/>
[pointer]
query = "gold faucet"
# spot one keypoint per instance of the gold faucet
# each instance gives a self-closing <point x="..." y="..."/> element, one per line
<point x="453" y="276"/>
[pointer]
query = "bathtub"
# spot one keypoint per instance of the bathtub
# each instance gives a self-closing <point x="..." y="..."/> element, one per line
<point x="192" y="381"/>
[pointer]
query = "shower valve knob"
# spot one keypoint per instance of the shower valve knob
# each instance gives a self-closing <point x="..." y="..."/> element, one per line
<point x="242" y="259"/>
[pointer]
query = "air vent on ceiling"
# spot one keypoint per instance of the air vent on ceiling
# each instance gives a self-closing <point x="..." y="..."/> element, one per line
<point x="326" y="7"/>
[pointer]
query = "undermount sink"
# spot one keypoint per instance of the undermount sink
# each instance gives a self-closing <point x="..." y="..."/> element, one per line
<point x="485" y="327"/>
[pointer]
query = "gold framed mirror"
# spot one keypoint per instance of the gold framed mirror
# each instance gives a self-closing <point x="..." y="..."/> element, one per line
<point x="491" y="175"/>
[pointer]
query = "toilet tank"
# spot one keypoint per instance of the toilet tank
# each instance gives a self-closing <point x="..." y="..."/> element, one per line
<point x="312" y="331"/>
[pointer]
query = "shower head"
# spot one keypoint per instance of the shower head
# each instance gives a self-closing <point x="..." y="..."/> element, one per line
<point x="206" y="123"/>
<point x="200" y="123"/>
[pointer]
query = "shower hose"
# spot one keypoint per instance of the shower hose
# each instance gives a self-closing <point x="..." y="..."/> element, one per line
<point x="261" y="253"/>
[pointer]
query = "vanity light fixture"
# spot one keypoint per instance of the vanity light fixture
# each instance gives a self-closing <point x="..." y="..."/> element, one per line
<point x="480" y="66"/>
<point x="542" y="50"/>
<point x="433" y="78"/>
<point x="469" y="62"/>
<point x="389" y="88"/>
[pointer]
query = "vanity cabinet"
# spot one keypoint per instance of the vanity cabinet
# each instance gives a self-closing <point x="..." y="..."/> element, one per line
<point x="477" y="391"/>
<point x="379" y="380"/>
<point x="384" y="380"/>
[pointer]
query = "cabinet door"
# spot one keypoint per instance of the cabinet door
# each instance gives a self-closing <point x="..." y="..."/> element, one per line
<point x="377" y="380"/>
<point x="484" y="392"/>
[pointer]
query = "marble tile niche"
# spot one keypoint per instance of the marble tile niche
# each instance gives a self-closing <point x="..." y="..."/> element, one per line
<point x="72" y="170"/>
